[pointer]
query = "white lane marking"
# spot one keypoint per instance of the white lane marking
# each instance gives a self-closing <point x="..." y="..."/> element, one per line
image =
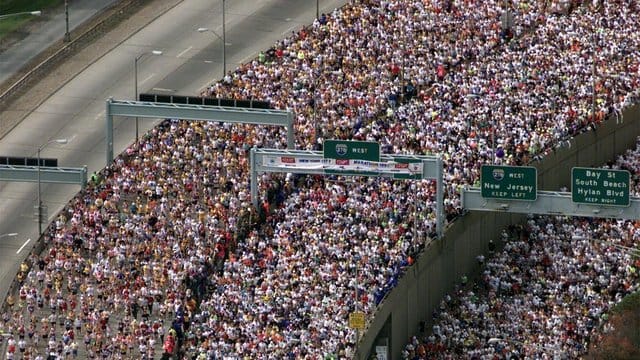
<point x="23" y="245"/>
<point x="100" y="115"/>
<point x="163" y="89"/>
<point x="209" y="83"/>
<point x="146" y="79"/>
<point x="185" y="51"/>
<point x="249" y="58"/>
<point x="289" y="30"/>
<point x="208" y="61"/>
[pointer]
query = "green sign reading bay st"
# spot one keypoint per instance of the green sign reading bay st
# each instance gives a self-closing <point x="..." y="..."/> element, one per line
<point x="345" y="152"/>
<point x="600" y="186"/>
<point x="509" y="182"/>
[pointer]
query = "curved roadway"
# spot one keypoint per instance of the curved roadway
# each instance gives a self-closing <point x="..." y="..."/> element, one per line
<point x="51" y="29"/>
<point x="189" y="62"/>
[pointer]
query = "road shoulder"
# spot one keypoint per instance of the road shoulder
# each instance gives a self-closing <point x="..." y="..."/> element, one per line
<point x="34" y="94"/>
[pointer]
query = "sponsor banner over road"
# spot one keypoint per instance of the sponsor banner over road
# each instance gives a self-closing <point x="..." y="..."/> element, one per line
<point x="300" y="162"/>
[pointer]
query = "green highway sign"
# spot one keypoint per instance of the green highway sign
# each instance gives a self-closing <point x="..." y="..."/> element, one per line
<point x="351" y="150"/>
<point x="600" y="186"/>
<point x="355" y="157"/>
<point x="509" y="182"/>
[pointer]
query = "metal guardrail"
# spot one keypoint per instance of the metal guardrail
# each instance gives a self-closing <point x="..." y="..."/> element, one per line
<point x="119" y="10"/>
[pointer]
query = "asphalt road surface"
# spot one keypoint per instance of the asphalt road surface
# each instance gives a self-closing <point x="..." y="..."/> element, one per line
<point x="189" y="62"/>
<point x="26" y="49"/>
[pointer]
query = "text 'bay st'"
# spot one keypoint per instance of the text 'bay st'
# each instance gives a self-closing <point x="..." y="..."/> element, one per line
<point x="600" y="186"/>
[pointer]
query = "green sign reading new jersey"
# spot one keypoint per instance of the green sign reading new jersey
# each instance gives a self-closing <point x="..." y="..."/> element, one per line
<point x="509" y="182"/>
<point x="600" y="186"/>
<point x="351" y="157"/>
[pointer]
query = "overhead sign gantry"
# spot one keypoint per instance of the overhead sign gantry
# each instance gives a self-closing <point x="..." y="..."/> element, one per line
<point x="54" y="175"/>
<point x="315" y="162"/>
<point x="195" y="112"/>
<point x="594" y="192"/>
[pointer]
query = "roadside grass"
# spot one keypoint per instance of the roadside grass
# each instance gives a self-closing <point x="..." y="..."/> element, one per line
<point x="13" y="23"/>
<point x="624" y="341"/>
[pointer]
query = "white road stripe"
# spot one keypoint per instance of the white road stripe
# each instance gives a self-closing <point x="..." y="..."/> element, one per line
<point x="146" y="79"/>
<point x="209" y="83"/>
<point x="23" y="245"/>
<point x="289" y="30"/>
<point x="100" y="115"/>
<point x="185" y="51"/>
<point x="249" y="57"/>
<point x="163" y="89"/>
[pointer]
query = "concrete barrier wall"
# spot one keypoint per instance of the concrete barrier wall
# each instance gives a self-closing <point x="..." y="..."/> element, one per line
<point x="591" y="149"/>
<point x="445" y="261"/>
<point x="440" y="266"/>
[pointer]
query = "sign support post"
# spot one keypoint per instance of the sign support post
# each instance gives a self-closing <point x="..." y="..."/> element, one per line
<point x="253" y="178"/>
